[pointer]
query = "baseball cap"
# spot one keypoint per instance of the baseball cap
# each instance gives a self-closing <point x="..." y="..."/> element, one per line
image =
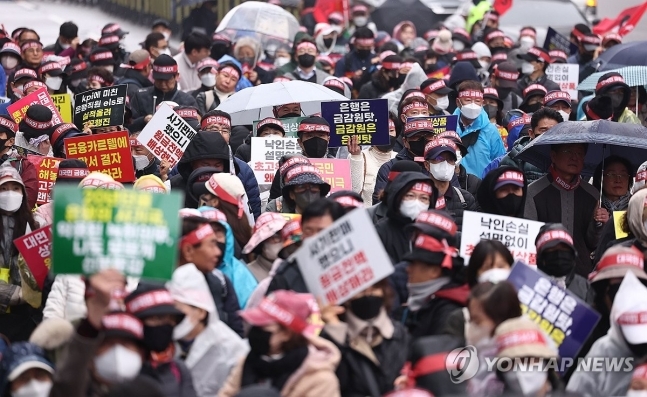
<point x="510" y="178"/>
<point x="23" y="356"/>
<point x="113" y="28"/>
<point x="435" y="86"/>
<point x="138" y="60"/>
<point x="553" y="97"/>
<point x="151" y="300"/>
<point x="269" y="122"/>
<point x="10" y="174"/>
<point x="122" y="325"/>
<point x="617" y="261"/>
<point x="551" y="235"/>
<point x="507" y="74"/>
<point x="287" y="308"/>
<point x="557" y="56"/>
<point x="51" y="68"/>
<point x="11" y="48"/>
<point x="206" y="63"/>
<point x="164" y="67"/>
<point x="522" y="337"/>
<point x="437" y="146"/>
<point x="536" y="54"/>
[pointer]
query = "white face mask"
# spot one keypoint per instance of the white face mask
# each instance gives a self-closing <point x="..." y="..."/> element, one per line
<point x="10" y="201"/>
<point x="167" y="35"/>
<point x="271" y="250"/>
<point x="278" y="62"/>
<point x="109" y="68"/>
<point x="475" y="333"/>
<point x="525" y="383"/>
<point x="412" y="208"/>
<point x="526" y="42"/>
<point x="141" y="162"/>
<point x="442" y="171"/>
<point x="527" y="68"/>
<point x="485" y="65"/>
<point x="118" y="364"/>
<point x="9" y="62"/>
<point x="75" y="83"/>
<point x="360" y="21"/>
<point x="564" y="115"/>
<point x="459" y="158"/>
<point x="636" y="393"/>
<point x="183" y="329"/>
<point x="35" y="388"/>
<point x="494" y="275"/>
<point x="458" y="45"/>
<point x="54" y="83"/>
<point x="208" y="80"/>
<point x="65" y="46"/>
<point x="471" y="111"/>
<point x="442" y="103"/>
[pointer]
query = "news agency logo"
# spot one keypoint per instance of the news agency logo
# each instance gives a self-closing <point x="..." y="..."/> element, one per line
<point x="462" y="364"/>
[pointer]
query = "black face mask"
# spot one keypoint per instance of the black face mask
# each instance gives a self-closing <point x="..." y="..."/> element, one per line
<point x="363" y="54"/>
<point x="316" y="147"/>
<point x="510" y="204"/>
<point x="259" y="340"/>
<point x="491" y="111"/>
<point x="327" y="42"/>
<point x="612" y="291"/>
<point x="557" y="263"/>
<point x="248" y="61"/>
<point x="219" y="50"/>
<point x="394" y="82"/>
<point x="503" y="92"/>
<point x="291" y="115"/>
<point x="532" y="108"/>
<point x="366" y="307"/>
<point x="639" y="351"/>
<point x="431" y="67"/>
<point x="389" y="147"/>
<point x="306" y="60"/>
<point x="223" y="248"/>
<point x="158" y="338"/>
<point x="417" y="147"/>
<point x="401" y="79"/>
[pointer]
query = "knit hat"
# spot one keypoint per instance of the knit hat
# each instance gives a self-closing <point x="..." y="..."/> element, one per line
<point x="269" y="122"/>
<point x="616" y="262"/>
<point x="71" y="171"/>
<point x="553" y="97"/>
<point x="267" y="225"/>
<point x="8" y="126"/>
<point x="94" y="179"/>
<point x="122" y="325"/>
<point x="467" y="55"/>
<point x="301" y="175"/>
<point x="227" y="188"/>
<point x="313" y="124"/>
<point x="402" y="166"/>
<point x="197" y="182"/>
<point x="481" y="49"/>
<point x="151" y="300"/>
<point x="37" y="122"/>
<point x="164" y="67"/>
<point x="288" y="308"/>
<point x="599" y="108"/>
<point x="438" y="224"/>
<point x="557" y="56"/>
<point x="436" y="146"/>
<point x="101" y="56"/>
<point x="462" y="71"/>
<point x="442" y="43"/>
<point x="507" y="74"/>
<point x="551" y="235"/>
<point x="522" y="337"/>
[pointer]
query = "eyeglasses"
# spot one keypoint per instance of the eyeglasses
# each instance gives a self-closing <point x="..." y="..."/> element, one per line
<point x="307" y="186"/>
<point x="568" y="152"/>
<point x="222" y="132"/>
<point x="440" y="159"/>
<point x="621" y="177"/>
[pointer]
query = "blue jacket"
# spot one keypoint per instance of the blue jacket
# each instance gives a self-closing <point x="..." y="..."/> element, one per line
<point x="488" y="147"/>
<point x="243" y="280"/>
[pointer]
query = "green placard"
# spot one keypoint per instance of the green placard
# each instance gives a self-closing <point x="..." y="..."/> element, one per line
<point x="290" y="124"/>
<point x="134" y="232"/>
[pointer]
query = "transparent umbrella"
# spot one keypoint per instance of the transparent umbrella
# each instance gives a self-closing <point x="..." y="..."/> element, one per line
<point x="266" y="22"/>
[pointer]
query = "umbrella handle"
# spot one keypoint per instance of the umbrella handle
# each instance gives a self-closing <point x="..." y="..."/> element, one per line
<point x="604" y="146"/>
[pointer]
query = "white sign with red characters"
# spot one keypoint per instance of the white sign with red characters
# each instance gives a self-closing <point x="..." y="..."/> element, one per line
<point x="567" y="75"/>
<point x="515" y="233"/>
<point x="344" y="259"/>
<point x="167" y="135"/>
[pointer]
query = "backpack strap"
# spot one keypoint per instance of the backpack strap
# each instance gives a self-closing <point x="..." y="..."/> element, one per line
<point x="210" y="98"/>
<point x="460" y="196"/>
<point x="471" y="138"/>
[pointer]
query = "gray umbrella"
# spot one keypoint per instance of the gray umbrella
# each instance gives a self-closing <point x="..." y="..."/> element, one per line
<point x="604" y="138"/>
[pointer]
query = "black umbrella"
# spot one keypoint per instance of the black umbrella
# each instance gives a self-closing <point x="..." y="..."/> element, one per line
<point x="392" y="12"/>
<point x="627" y="54"/>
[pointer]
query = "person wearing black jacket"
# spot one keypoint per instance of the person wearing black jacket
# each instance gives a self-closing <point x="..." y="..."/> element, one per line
<point x="410" y="194"/>
<point x="503" y="192"/>
<point x="384" y="80"/>
<point x="136" y="74"/>
<point x="165" y="74"/>
<point x="379" y="210"/>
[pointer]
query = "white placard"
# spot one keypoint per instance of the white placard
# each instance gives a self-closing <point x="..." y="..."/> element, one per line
<point x="266" y="153"/>
<point x="517" y="234"/>
<point x="567" y="75"/>
<point x="344" y="259"/>
<point x="167" y="135"/>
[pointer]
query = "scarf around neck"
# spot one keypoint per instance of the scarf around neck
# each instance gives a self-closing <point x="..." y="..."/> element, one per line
<point x="419" y="293"/>
<point x="562" y="183"/>
<point x="619" y="205"/>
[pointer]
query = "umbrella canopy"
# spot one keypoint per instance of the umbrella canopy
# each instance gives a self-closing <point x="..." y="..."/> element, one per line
<point x="262" y="20"/>
<point x="255" y="103"/>
<point x="627" y="54"/>
<point x="604" y="138"/>
<point x="392" y="12"/>
<point x="633" y="75"/>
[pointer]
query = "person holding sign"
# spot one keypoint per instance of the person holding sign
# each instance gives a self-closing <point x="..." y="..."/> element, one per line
<point x="16" y="318"/>
<point x="144" y="161"/>
<point x="302" y="185"/>
<point x="269" y="126"/>
<point x="34" y="130"/>
<point x="28" y="173"/>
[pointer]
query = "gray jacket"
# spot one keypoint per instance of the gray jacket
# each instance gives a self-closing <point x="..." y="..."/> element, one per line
<point x="319" y="76"/>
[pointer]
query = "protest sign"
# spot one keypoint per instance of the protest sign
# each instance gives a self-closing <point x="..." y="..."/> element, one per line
<point x="367" y="119"/>
<point x="63" y="103"/>
<point x="36" y="248"/>
<point x="46" y="169"/>
<point x="103" y="107"/>
<point x="440" y="123"/>
<point x="167" y="135"/>
<point x="617" y="224"/>
<point x="106" y="153"/>
<point x="266" y="153"/>
<point x="566" y="75"/>
<point x="557" y="41"/>
<point x="343" y="259"/>
<point x="565" y="318"/>
<point x="290" y="125"/>
<point x="336" y="172"/>
<point x="18" y="109"/>
<point x="515" y="233"/>
<point x="132" y="231"/>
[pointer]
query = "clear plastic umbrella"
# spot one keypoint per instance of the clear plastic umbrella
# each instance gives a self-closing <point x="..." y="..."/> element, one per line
<point x="266" y="22"/>
<point x="255" y="103"/>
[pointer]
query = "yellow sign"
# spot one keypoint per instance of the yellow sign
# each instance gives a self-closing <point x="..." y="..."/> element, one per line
<point x="63" y="103"/>
<point x="617" y="222"/>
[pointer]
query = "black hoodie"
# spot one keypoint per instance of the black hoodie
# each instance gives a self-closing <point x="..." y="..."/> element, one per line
<point x="487" y="199"/>
<point x="391" y="228"/>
